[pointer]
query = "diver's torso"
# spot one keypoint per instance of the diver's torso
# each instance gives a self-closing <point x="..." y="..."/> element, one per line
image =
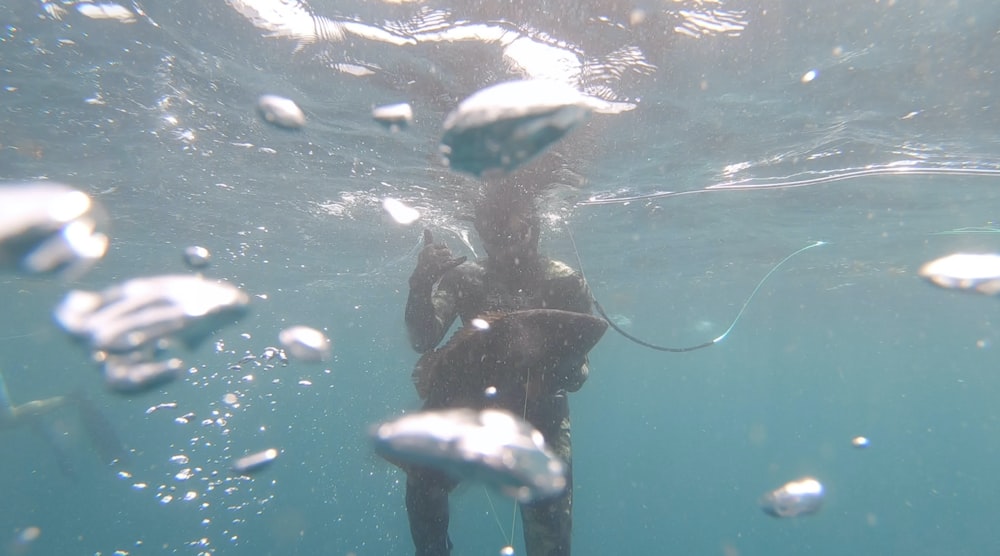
<point x="556" y="286"/>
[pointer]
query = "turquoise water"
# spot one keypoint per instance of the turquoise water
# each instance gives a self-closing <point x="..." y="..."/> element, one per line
<point x="732" y="159"/>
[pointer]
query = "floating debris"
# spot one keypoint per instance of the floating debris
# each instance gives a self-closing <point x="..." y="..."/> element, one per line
<point x="859" y="442"/>
<point x="144" y="311"/>
<point x="492" y="446"/>
<point x="281" y="111"/>
<point x="305" y="344"/>
<point x="394" y="116"/>
<point x="504" y="126"/>
<point x="255" y="462"/>
<point x="965" y="271"/>
<point x="196" y="257"/>
<point x="48" y="227"/>
<point x="796" y="498"/>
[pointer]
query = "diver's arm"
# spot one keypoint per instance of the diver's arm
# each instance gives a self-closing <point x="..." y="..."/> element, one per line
<point x="429" y="311"/>
<point x="429" y="314"/>
<point x="580" y="299"/>
<point x="582" y="302"/>
<point x="568" y="291"/>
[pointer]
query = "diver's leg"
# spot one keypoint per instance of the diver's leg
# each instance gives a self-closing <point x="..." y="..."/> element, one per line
<point x="100" y="430"/>
<point x="548" y="524"/>
<point x="427" y="508"/>
<point x="63" y="457"/>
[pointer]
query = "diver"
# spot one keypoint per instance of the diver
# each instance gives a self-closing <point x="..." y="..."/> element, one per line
<point x="514" y="276"/>
<point x="95" y="424"/>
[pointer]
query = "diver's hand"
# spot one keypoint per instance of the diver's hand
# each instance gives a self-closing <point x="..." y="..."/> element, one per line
<point x="434" y="261"/>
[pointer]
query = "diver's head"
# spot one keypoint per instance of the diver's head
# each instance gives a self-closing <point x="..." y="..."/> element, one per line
<point x="508" y="226"/>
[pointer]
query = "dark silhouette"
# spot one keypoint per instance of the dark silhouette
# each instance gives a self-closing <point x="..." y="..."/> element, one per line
<point x="513" y="277"/>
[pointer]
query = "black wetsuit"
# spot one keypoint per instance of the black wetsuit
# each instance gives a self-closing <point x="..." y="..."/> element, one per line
<point x="468" y="291"/>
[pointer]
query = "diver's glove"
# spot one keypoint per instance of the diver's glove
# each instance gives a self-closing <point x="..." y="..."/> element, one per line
<point x="434" y="261"/>
<point x="571" y="377"/>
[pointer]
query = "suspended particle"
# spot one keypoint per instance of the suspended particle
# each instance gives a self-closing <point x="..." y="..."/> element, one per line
<point x="794" y="499"/>
<point x="197" y="257"/>
<point x="859" y="442"/>
<point x="27" y="536"/>
<point x="280" y="111"/>
<point x="255" y="462"/>
<point x="393" y="116"/>
<point x="305" y="344"/>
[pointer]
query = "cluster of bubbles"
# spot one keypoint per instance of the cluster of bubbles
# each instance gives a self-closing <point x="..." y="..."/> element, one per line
<point x="52" y="228"/>
<point x="128" y="325"/>
<point x="134" y="329"/>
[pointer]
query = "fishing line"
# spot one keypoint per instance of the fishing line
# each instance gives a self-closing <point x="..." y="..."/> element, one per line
<point x="524" y="415"/>
<point x="496" y="517"/>
<point x="517" y="504"/>
<point x="712" y="342"/>
<point x="489" y="499"/>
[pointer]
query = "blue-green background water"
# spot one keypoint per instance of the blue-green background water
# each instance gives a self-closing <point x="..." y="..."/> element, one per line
<point x="154" y="118"/>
